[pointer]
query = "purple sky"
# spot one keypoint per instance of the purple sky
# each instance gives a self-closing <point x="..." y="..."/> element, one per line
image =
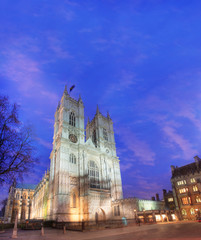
<point x="140" y="60"/>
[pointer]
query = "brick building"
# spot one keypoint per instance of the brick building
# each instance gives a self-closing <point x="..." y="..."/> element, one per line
<point x="186" y="185"/>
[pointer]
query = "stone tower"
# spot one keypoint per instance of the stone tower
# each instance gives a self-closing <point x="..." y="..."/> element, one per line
<point x="84" y="175"/>
<point x="65" y="167"/>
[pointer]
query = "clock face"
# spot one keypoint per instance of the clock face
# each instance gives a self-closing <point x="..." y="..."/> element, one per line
<point x="73" y="138"/>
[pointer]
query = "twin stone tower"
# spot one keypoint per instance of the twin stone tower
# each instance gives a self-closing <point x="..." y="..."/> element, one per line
<point x="84" y="176"/>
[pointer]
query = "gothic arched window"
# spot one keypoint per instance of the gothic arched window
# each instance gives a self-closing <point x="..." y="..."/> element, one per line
<point x="183" y="212"/>
<point x="105" y="136"/>
<point x="93" y="173"/>
<point x="72" y="119"/>
<point x="94" y="138"/>
<point x="74" y="200"/>
<point x="72" y="158"/>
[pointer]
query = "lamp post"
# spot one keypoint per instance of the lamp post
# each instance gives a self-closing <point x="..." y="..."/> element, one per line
<point x="135" y="216"/>
<point x="145" y="219"/>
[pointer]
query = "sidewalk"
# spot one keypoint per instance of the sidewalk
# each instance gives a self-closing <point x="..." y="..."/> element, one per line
<point x="130" y="232"/>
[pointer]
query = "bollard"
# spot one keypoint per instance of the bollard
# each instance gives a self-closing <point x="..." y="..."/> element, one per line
<point x="15" y="229"/>
<point x="83" y="225"/>
<point x="42" y="230"/>
<point x="64" y="229"/>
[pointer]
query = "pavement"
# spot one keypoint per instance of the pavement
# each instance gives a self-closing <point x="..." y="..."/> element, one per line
<point x="173" y="231"/>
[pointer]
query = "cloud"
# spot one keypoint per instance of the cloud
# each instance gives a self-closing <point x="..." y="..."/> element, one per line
<point x="174" y="137"/>
<point x="124" y="82"/>
<point x="55" y="45"/>
<point x="27" y="74"/>
<point x="85" y="30"/>
<point x="21" y="69"/>
<point x="140" y="150"/>
<point x="44" y="143"/>
<point x="68" y="14"/>
<point x="125" y="167"/>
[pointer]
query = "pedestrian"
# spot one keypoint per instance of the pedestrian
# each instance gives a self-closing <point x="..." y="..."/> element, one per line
<point x="138" y="221"/>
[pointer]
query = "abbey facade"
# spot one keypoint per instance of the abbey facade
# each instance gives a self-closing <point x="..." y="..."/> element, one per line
<point x="84" y="175"/>
<point x="84" y="181"/>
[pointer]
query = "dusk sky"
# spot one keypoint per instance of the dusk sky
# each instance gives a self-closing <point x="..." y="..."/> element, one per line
<point x="140" y="60"/>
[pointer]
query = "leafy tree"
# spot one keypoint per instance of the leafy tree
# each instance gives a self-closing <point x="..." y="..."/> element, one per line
<point x="17" y="152"/>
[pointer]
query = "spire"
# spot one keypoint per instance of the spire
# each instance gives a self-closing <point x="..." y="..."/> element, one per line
<point x="108" y="115"/>
<point x="65" y="90"/>
<point x="80" y="99"/>
<point x="97" y="110"/>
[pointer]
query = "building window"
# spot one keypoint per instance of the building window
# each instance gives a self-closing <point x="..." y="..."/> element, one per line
<point x="74" y="200"/>
<point x="192" y="180"/>
<point x="94" y="139"/>
<point x="72" y="119"/>
<point x="182" y="182"/>
<point x="195" y="188"/>
<point x="93" y="172"/>
<point x="192" y="211"/>
<point x="183" y="212"/>
<point x="186" y="200"/>
<point x="198" y="199"/>
<point x="170" y="200"/>
<point x="105" y="134"/>
<point x="183" y="190"/>
<point x="116" y="210"/>
<point x="72" y="158"/>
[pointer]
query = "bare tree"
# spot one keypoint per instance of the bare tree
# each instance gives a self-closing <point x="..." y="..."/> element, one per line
<point x="17" y="152"/>
<point x="3" y="208"/>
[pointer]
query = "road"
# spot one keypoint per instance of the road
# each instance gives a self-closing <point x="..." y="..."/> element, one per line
<point x="173" y="231"/>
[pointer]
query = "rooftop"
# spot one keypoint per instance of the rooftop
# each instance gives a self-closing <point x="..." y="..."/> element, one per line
<point x="191" y="168"/>
<point x="26" y="186"/>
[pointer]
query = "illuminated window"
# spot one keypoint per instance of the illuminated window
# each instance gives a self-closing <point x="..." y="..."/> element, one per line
<point x="198" y="199"/>
<point x="116" y="210"/>
<point x="182" y="182"/>
<point x="192" y="180"/>
<point x="195" y="188"/>
<point x="189" y="200"/>
<point x="72" y="158"/>
<point x="72" y="119"/>
<point x="105" y="134"/>
<point x="183" y="190"/>
<point x="17" y="196"/>
<point x="93" y="172"/>
<point x="192" y="211"/>
<point x="170" y="199"/>
<point x="186" y="200"/>
<point x="183" y="212"/>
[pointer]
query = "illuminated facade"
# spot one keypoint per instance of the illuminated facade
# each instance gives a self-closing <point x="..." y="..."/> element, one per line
<point x="145" y="210"/>
<point x="186" y="185"/>
<point x="84" y="173"/>
<point x="19" y="202"/>
<point x="40" y="199"/>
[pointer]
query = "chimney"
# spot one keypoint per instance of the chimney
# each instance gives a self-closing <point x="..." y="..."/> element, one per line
<point x="164" y="193"/>
<point x="197" y="159"/>
<point x="157" y="197"/>
<point x="172" y="168"/>
<point x="153" y="199"/>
